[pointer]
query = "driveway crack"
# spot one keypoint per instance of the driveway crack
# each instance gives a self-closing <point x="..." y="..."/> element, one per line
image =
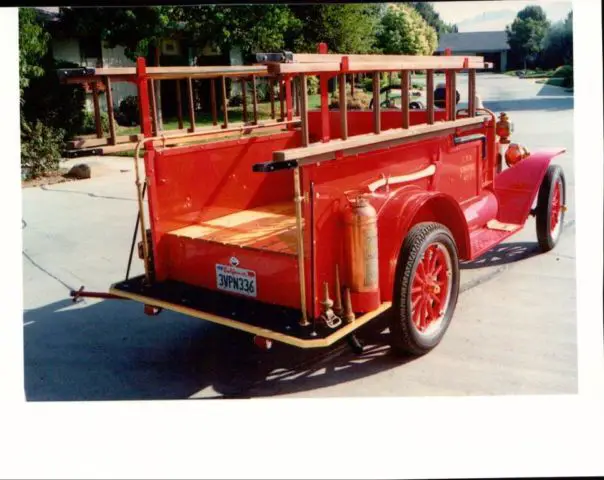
<point x="39" y="267"/>
<point x="93" y="195"/>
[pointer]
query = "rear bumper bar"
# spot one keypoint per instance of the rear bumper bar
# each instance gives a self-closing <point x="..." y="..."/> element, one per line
<point x="278" y="323"/>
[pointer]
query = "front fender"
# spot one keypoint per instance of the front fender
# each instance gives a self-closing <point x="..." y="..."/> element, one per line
<point x="405" y="208"/>
<point x="516" y="188"/>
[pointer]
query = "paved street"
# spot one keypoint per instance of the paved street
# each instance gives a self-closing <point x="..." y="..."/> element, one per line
<point x="514" y="331"/>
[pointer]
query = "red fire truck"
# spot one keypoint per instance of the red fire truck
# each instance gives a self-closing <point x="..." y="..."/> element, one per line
<point x="330" y="217"/>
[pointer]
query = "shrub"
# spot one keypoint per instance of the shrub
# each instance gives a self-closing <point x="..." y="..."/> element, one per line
<point x="89" y="125"/>
<point x="41" y="148"/>
<point x="312" y="85"/>
<point x="263" y="91"/>
<point x="367" y="83"/>
<point x="566" y="73"/>
<point x="237" y="99"/>
<point x="54" y="104"/>
<point x="360" y="101"/>
<point x="128" y="113"/>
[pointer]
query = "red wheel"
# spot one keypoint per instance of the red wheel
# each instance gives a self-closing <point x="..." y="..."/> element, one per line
<point x="426" y="289"/>
<point x="550" y="208"/>
<point x="431" y="288"/>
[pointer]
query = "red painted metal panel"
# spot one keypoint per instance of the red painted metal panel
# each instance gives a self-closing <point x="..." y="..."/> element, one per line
<point x="457" y="175"/>
<point x="194" y="261"/>
<point x="516" y="188"/>
<point x="480" y="210"/>
<point x="212" y="179"/>
<point x="201" y="182"/>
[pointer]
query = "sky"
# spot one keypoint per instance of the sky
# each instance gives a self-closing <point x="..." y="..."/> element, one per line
<point x="495" y="15"/>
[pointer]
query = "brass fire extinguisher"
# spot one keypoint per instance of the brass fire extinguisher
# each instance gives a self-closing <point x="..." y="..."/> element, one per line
<point x="361" y="236"/>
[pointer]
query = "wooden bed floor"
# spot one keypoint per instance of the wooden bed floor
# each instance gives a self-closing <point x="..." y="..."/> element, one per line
<point x="270" y="227"/>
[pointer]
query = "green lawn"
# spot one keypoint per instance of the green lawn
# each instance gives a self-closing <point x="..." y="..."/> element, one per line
<point x="532" y="73"/>
<point x="235" y="115"/>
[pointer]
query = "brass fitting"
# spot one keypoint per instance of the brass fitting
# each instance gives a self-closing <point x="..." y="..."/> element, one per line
<point x="348" y="312"/>
<point x="337" y="308"/>
<point x="328" y="316"/>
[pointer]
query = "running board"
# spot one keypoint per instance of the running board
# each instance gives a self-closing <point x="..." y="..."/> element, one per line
<point x="485" y="238"/>
<point x="269" y="321"/>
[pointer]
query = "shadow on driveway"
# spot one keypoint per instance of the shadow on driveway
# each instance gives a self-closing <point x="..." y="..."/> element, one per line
<point x="109" y="350"/>
<point x="537" y="103"/>
<point x="503" y="254"/>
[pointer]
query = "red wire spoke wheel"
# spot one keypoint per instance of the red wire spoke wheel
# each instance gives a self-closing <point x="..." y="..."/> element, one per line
<point x="551" y="203"/>
<point x="426" y="289"/>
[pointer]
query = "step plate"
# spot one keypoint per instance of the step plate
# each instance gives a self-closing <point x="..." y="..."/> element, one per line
<point x="483" y="239"/>
<point x="271" y="321"/>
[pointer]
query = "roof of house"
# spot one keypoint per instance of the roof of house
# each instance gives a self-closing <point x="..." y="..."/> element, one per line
<point x="473" y="42"/>
<point x="48" y="13"/>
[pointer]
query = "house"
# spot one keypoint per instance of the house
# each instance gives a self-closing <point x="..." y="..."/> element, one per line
<point x="93" y="52"/>
<point x="493" y="46"/>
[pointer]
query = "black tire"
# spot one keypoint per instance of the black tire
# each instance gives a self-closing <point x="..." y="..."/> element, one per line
<point x="546" y="237"/>
<point x="405" y="337"/>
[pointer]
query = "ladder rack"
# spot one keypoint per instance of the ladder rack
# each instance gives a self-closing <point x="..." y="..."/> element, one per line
<point x="299" y="67"/>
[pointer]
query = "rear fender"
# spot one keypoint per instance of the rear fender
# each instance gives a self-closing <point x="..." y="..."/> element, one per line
<point x="516" y="188"/>
<point x="407" y="207"/>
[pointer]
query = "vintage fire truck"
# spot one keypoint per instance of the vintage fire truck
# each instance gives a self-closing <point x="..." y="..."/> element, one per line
<point x="309" y="225"/>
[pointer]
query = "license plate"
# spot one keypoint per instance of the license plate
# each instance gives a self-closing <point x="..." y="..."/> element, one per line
<point x="236" y="280"/>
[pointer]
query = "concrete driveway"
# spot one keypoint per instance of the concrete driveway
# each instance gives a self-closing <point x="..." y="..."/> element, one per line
<point x="514" y="331"/>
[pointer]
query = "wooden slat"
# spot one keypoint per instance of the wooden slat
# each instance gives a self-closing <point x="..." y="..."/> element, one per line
<point x="179" y="105"/>
<point x="97" y="110"/>
<point x="282" y="99"/>
<point x="225" y="103"/>
<point x="430" y="95"/>
<point x="213" y="101"/>
<point x="376" y="58"/>
<point x="296" y="87"/>
<point x="370" y="139"/>
<point x="271" y="86"/>
<point x="343" y="108"/>
<point x="453" y="95"/>
<point x="244" y="98"/>
<point x="80" y="143"/>
<point x="472" y="93"/>
<point x="304" y="109"/>
<point x="153" y="108"/>
<point x="405" y="97"/>
<point x="415" y="63"/>
<point x="183" y="71"/>
<point x="109" y="98"/>
<point x="377" y="125"/>
<point x="254" y="99"/>
<point x="191" y="104"/>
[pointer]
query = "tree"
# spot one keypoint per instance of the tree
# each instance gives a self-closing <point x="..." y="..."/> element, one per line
<point x="249" y="27"/>
<point x="345" y="28"/>
<point x="404" y="31"/>
<point x="527" y="33"/>
<point x="558" y="43"/>
<point x="33" y="45"/>
<point x="431" y="16"/>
